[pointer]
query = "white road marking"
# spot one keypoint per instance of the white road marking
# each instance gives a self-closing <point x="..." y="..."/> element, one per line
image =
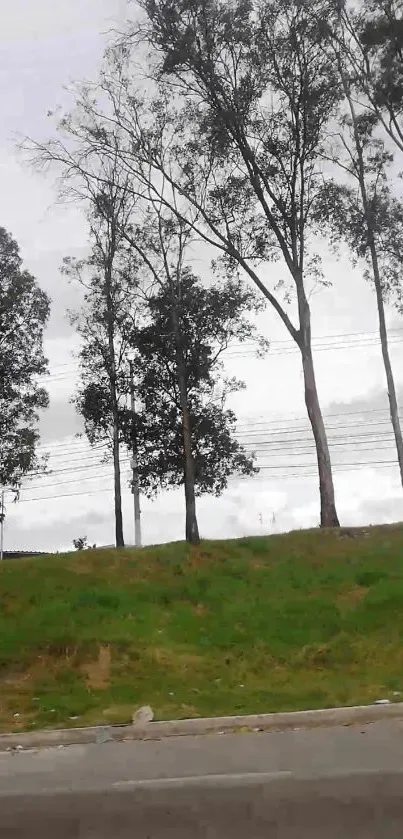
<point x="203" y="780"/>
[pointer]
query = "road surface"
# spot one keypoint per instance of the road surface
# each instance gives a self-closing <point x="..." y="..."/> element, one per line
<point x="336" y="783"/>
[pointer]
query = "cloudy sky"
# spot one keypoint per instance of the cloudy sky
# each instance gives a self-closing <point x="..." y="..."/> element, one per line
<point x="43" y="46"/>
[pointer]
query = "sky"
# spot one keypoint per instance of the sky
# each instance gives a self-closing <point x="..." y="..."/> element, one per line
<point x="44" y="46"/>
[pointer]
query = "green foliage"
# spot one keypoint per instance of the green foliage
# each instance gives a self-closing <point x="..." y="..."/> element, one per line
<point x="359" y="205"/>
<point x="263" y="89"/>
<point x="381" y="34"/>
<point x="24" y="311"/>
<point x="105" y="320"/>
<point x="209" y="317"/>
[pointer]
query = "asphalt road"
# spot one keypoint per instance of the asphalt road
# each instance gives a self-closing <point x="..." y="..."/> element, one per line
<point x="339" y="783"/>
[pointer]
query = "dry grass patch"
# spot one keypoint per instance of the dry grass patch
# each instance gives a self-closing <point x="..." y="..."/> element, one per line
<point x="98" y="673"/>
<point x="351" y="597"/>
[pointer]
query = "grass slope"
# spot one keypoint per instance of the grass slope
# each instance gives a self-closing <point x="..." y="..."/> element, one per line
<point x="303" y="620"/>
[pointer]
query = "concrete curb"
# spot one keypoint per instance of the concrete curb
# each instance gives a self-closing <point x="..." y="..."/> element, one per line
<point x="359" y="715"/>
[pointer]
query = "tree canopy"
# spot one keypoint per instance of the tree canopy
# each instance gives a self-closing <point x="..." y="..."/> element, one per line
<point x="24" y="311"/>
<point x="208" y="318"/>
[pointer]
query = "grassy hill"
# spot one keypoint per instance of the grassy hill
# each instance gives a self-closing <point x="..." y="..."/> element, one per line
<point x="303" y="620"/>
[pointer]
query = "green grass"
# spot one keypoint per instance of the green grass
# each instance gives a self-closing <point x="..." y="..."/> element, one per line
<point x="304" y="620"/>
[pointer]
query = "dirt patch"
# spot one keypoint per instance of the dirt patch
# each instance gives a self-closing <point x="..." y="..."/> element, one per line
<point x="188" y="711"/>
<point x="197" y="558"/>
<point x="116" y="714"/>
<point x="98" y="672"/>
<point x="200" y="609"/>
<point x="349" y="599"/>
<point x="19" y="681"/>
<point x="40" y="666"/>
<point x="175" y="660"/>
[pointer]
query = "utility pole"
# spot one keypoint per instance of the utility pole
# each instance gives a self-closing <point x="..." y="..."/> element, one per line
<point x="2" y="517"/>
<point x="134" y="465"/>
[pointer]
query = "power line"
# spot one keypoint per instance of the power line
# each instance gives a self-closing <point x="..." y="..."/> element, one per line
<point x="309" y="465"/>
<point x="66" y="495"/>
<point x="337" y="469"/>
<point x="262" y="449"/>
<point x="243" y="424"/>
<point x="88" y="465"/>
<point x="256" y="354"/>
<point x="304" y="444"/>
<point x="316" y="348"/>
<point x="305" y="452"/>
<point x="303" y="418"/>
<point x="278" y="347"/>
<point x="106" y="475"/>
<point x="73" y="446"/>
<point x="349" y="467"/>
<point x="288" y="341"/>
<point x="300" y="451"/>
<point x="276" y="432"/>
<point x="277" y="442"/>
<point x="337" y="439"/>
<point x="280" y="444"/>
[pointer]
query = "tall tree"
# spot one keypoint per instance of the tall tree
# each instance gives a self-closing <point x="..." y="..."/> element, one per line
<point x="181" y="411"/>
<point x="183" y="392"/>
<point x="163" y="244"/>
<point x="246" y="95"/>
<point x="106" y="317"/>
<point x="24" y="312"/>
<point x="361" y="208"/>
<point x="89" y="176"/>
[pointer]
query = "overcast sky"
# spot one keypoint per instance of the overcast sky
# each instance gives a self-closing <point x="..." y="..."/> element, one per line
<point x="43" y="46"/>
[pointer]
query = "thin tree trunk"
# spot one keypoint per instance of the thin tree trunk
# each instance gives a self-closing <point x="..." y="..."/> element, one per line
<point x="191" y="528"/>
<point x="117" y="489"/>
<point x="383" y="334"/>
<point x="120" y="543"/>
<point x="328" y="512"/>
<point x="137" y="508"/>
<point x="116" y="452"/>
<point x="135" y="473"/>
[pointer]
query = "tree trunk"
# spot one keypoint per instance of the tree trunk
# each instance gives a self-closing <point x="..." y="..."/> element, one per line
<point x="137" y="509"/>
<point x="191" y="528"/>
<point x="114" y="401"/>
<point x="117" y="489"/>
<point x="328" y="512"/>
<point x="135" y="473"/>
<point x="120" y="543"/>
<point x="383" y="334"/>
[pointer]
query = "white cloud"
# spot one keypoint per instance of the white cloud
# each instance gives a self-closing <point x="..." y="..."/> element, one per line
<point x="45" y="19"/>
